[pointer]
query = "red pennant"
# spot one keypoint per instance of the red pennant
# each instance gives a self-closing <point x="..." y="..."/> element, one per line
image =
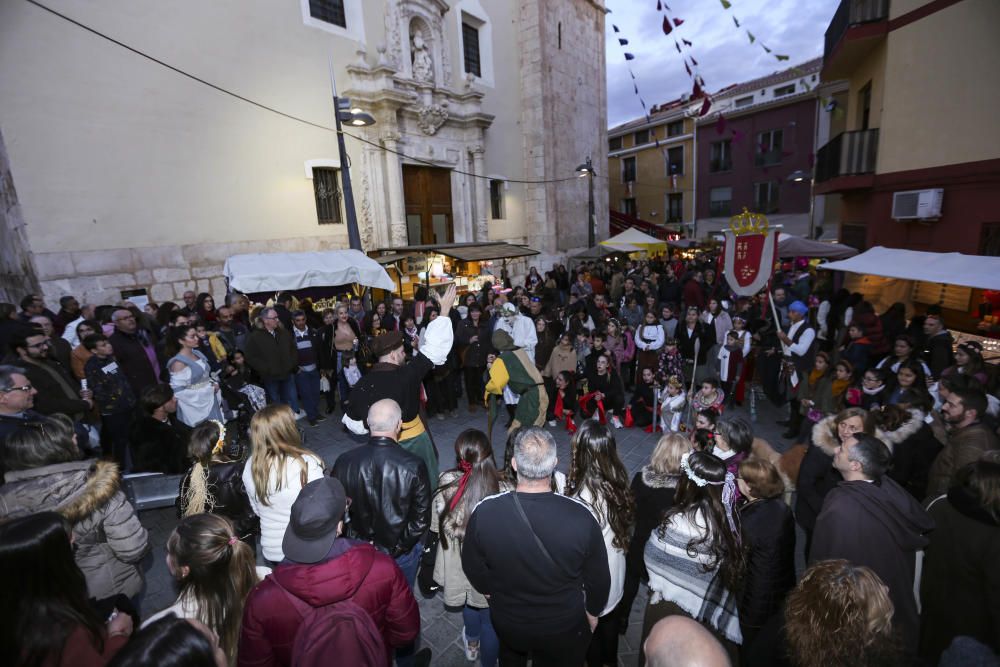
<point x="705" y="107"/>
<point x="678" y="22"/>
<point x="667" y="28"/>
<point x="696" y="91"/>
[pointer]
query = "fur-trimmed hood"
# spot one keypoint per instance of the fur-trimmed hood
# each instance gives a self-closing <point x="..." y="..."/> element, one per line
<point x="76" y="489"/>
<point x="825" y="435"/>
<point x="658" y="480"/>
<point x="906" y="430"/>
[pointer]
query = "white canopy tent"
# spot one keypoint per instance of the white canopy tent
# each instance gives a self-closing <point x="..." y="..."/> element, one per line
<point x="632" y="239"/>
<point x="275" y="272"/>
<point x="948" y="268"/>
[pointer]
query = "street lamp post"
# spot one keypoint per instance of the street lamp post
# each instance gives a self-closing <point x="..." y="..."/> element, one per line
<point x="342" y="111"/>
<point x="587" y="170"/>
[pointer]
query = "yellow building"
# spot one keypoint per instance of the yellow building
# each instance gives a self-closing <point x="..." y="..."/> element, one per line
<point x="651" y="166"/>
<point x="918" y="165"/>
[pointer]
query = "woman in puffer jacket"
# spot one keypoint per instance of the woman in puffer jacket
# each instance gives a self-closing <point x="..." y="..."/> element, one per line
<point x="45" y="473"/>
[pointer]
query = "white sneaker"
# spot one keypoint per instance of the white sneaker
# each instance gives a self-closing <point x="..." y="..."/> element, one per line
<point x="553" y="422"/>
<point x="471" y="651"/>
<point x="617" y="423"/>
<point x="301" y="414"/>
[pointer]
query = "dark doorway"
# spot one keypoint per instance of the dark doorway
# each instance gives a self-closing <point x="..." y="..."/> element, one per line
<point x="427" y="195"/>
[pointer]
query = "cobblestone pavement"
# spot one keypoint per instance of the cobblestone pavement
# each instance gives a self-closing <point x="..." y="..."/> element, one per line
<point x="441" y="628"/>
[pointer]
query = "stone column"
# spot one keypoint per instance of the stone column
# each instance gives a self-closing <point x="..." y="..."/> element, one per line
<point x="394" y="185"/>
<point x="482" y="195"/>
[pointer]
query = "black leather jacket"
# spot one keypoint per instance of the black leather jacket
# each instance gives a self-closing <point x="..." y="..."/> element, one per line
<point x="225" y="481"/>
<point x="390" y="495"/>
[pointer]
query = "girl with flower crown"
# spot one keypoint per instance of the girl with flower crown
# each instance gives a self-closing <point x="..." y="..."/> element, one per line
<point x="216" y="572"/>
<point x="214" y="484"/>
<point x="694" y="558"/>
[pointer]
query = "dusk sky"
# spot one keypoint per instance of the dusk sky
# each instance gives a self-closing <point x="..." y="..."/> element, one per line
<point x="724" y="53"/>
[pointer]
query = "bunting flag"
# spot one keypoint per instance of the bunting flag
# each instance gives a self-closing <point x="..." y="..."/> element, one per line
<point x="667" y="28"/>
<point x="764" y="46"/>
<point x="734" y="21"/>
<point x="659" y="7"/>
<point x="615" y="27"/>
<point x="629" y="56"/>
<point x="726" y="4"/>
<point x="678" y="22"/>
<point x="687" y="42"/>
<point x="636" y="87"/>
<point x="622" y="41"/>
<point x="781" y="58"/>
<point x="705" y="107"/>
<point x="687" y="67"/>
<point x="693" y="61"/>
<point x="752" y="38"/>
<point x="678" y="46"/>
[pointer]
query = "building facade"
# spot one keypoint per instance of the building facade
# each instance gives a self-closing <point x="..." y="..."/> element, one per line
<point x="756" y="148"/>
<point x="918" y="165"/>
<point x="130" y="175"/>
<point x="651" y="166"/>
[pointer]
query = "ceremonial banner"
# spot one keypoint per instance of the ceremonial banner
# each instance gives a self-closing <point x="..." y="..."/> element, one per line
<point x="748" y="253"/>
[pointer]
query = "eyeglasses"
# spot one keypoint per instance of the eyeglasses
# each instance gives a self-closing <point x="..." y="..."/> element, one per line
<point x="26" y="389"/>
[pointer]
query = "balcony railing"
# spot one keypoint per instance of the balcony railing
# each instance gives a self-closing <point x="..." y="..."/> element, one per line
<point x="853" y="12"/>
<point x="847" y="154"/>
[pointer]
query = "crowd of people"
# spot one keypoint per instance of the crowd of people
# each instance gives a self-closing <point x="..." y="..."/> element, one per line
<point x="889" y="468"/>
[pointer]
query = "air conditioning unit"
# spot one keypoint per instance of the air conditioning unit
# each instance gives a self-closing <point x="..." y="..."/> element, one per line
<point x="917" y="204"/>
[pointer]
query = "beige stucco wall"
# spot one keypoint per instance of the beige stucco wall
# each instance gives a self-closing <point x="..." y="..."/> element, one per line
<point x="943" y="94"/>
<point x="898" y="8"/>
<point x="871" y="69"/>
<point x="130" y="175"/>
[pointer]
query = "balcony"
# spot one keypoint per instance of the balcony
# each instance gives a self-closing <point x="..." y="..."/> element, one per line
<point x="847" y="162"/>
<point x="856" y="29"/>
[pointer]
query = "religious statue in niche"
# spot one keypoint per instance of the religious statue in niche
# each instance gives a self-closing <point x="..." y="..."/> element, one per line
<point x="423" y="65"/>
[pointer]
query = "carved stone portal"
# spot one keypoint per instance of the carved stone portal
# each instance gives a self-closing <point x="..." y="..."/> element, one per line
<point x="430" y="118"/>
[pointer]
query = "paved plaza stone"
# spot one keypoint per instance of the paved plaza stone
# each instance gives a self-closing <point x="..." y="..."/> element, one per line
<point x="441" y="628"/>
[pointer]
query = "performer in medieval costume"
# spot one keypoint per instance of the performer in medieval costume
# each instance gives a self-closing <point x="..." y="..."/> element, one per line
<point x="672" y="406"/>
<point x="393" y="377"/>
<point x="514" y="370"/>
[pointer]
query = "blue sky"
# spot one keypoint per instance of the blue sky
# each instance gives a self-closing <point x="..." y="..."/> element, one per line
<point x="724" y="53"/>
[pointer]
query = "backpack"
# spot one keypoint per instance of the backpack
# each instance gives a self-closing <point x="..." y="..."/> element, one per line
<point x="342" y="629"/>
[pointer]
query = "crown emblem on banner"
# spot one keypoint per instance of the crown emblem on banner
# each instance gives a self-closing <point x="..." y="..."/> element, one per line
<point x="748" y="223"/>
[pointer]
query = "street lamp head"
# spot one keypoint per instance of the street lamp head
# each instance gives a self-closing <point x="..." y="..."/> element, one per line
<point x="586" y="169"/>
<point x="798" y="176"/>
<point x="361" y="119"/>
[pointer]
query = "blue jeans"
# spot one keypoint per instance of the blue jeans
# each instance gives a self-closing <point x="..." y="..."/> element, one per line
<point x="307" y="384"/>
<point x="282" y="391"/>
<point x="409" y="563"/>
<point x="478" y="625"/>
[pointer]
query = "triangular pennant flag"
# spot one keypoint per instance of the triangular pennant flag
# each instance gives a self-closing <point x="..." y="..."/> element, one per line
<point x="726" y="4"/>
<point x="687" y="42"/>
<point x="629" y="56"/>
<point x="734" y="21"/>
<point x="678" y="46"/>
<point x="622" y="41"/>
<point x="764" y="46"/>
<point x="667" y="28"/>
<point x="615" y="27"/>
<point x="687" y="67"/>
<point x="667" y="7"/>
<point x="632" y="75"/>
<point x="659" y="6"/>
<point x="678" y="22"/>
<point x="752" y="38"/>
<point x="693" y="61"/>
<point x="642" y="102"/>
<point x="720" y="125"/>
<point x="696" y="91"/>
<point x="781" y="57"/>
<point x="705" y="107"/>
<point x="701" y="81"/>
<point x="636" y="88"/>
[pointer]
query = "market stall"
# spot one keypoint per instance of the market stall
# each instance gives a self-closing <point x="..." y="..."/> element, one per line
<point x="797" y="246"/>
<point x="633" y="238"/>
<point x="260" y="273"/>
<point x="965" y="287"/>
<point x="601" y="253"/>
<point x="466" y="265"/>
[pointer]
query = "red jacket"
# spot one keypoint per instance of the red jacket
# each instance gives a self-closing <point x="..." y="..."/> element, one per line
<point x="693" y="295"/>
<point x="370" y="578"/>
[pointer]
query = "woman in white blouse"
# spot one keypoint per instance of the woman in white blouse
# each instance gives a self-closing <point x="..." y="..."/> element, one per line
<point x="196" y="390"/>
<point x="648" y="340"/>
<point x="278" y="467"/>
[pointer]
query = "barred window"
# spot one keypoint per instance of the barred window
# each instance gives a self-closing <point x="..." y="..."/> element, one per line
<point x="470" y="49"/>
<point x="331" y="11"/>
<point x="327" y="192"/>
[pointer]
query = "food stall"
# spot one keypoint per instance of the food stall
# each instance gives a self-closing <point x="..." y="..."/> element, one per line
<point x="466" y="265"/>
<point x="963" y="286"/>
